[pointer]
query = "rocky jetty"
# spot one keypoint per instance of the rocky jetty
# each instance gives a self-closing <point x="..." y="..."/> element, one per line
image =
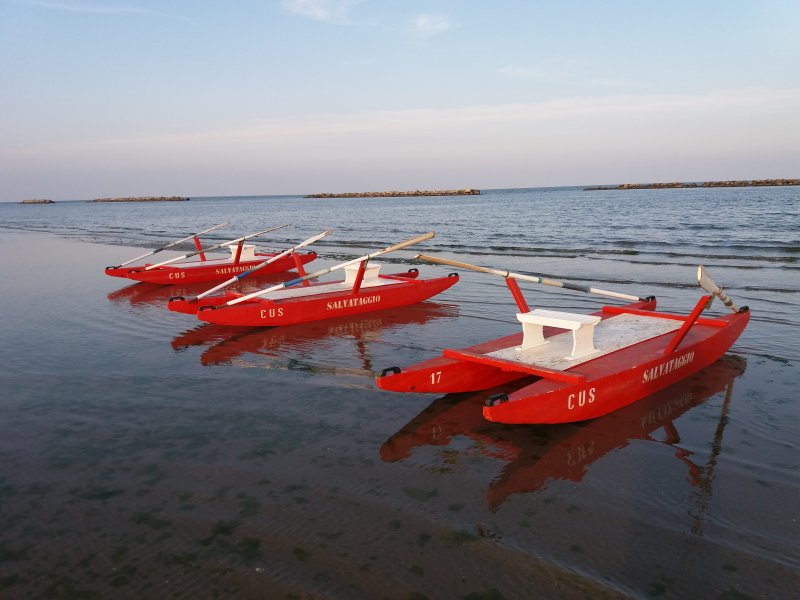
<point x="143" y="199"/>
<point x="705" y="184"/>
<point x="37" y="201"/>
<point x="395" y="194"/>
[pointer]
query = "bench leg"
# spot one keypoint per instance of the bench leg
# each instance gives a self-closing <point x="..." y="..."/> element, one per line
<point x="582" y="342"/>
<point x="532" y="336"/>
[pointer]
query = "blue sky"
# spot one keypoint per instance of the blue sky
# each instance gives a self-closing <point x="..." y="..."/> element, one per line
<point x="205" y="97"/>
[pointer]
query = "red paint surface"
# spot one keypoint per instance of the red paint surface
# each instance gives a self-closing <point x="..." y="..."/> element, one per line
<point x="612" y="381"/>
<point x="406" y="289"/>
<point x="198" y="271"/>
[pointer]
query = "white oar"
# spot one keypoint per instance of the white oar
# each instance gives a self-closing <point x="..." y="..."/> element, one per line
<point x="705" y="282"/>
<point x="291" y="282"/>
<point x="240" y="276"/>
<point x="236" y="241"/>
<point x="170" y="245"/>
<point x="532" y="278"/>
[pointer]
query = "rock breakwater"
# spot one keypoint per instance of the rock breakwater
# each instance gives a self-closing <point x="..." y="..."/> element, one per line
<point x="143" y="199"/>
<point x="396" y="194"/>
<point x="705" y="184"/>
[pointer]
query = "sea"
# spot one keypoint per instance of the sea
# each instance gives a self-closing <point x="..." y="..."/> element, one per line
<point x="146" y="454"/>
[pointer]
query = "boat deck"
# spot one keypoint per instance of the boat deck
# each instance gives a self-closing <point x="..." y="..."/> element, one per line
<point x="610" y="335"/>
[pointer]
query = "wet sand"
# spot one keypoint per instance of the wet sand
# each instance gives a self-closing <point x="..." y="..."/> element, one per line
<point x="144" y="454"/>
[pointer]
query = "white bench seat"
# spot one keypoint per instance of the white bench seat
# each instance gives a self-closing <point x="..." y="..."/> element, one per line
<point x="582" y="327"/>
<point x="248" y="252"/>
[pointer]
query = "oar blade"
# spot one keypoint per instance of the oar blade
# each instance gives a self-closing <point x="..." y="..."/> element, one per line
<point x="709" y="285"/>
<point x="704" y="281"/>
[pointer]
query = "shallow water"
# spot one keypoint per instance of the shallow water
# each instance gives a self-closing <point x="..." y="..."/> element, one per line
<point x="145" y="454"/>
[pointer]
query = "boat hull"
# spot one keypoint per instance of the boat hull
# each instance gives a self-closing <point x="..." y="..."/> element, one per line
<point x="620" y="378"/>
<point x="199" y="271"/>
<point x="399" y="290"/>
<point x="443" y="375"/>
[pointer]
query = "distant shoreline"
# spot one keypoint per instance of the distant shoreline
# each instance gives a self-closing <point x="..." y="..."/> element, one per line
<point x="37" y="201"/>
<point x="705" y="184"/>
<point x="144" y="199"/>
<point x="395" y="194"/>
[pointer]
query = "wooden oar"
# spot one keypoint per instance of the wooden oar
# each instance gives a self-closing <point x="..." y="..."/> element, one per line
<point x="354" y="261"/>
<point x="705" y="282"/>
<point x="532" y="278"/>
<point x="170" y="245"/>
<point x="244" y="274"/>
<point x="236" y="241"/>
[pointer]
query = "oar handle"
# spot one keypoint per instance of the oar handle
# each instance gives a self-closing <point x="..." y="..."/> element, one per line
<point x="532" y="278"/>
<point x="411" y="242"/>
<point x="214" y="247"/>
<point x="316" y="274"/>
<point x="169" y="245"/>
<point x="386" y="250"/>
<point x="269" y="261"/>
<point x="461" y="265"/>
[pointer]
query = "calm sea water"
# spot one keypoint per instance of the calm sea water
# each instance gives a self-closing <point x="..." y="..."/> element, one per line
<point x="144" y="454"/>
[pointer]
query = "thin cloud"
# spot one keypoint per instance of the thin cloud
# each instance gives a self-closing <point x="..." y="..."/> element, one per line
<point x="329" y="11"/>
<point x="501" y="121"/>
<point x="431" y="24"/>
<point x="106" y="10"/>
<point x="568" y="140"/>
<point x="97" y="10"/>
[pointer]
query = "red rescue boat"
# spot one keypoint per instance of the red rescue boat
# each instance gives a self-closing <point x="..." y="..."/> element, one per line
<point x="602" y="362"/>
<point x="243" y="259"/>
<point x="364" y="289"/>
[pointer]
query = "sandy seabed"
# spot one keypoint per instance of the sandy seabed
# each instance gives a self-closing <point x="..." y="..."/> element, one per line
<point x="146" y="455"/>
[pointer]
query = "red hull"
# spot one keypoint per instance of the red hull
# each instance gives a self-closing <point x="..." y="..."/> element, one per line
<point x="619" y="379"/>
<point x="199" y="271"/>
<point x="442" y="375"/>
<point x="401" y="291"/>
<point x="607" y="383"/>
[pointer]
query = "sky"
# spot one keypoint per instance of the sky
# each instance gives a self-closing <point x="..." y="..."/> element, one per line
<point x="246" y="97"/>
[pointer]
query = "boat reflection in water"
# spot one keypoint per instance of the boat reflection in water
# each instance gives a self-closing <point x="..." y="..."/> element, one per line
<point x="298" y="346"/>
<point x="539" y="454"/>
<point x="159" y="294"/>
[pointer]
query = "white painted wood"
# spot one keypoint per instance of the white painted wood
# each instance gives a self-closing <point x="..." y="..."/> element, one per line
<point x="582" y="327"/>
<point x="370" y="273"/>
<point x="610" y="335"/>
<point x="248" y="252"/>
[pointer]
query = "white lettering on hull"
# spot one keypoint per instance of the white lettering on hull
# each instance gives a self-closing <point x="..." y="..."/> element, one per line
<point x="351" y="302"/>
<point x="581" y="398"/>
<point x="231" y="270"/>
<point x="667" y="367"/>
<point x="271" y="313"/>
